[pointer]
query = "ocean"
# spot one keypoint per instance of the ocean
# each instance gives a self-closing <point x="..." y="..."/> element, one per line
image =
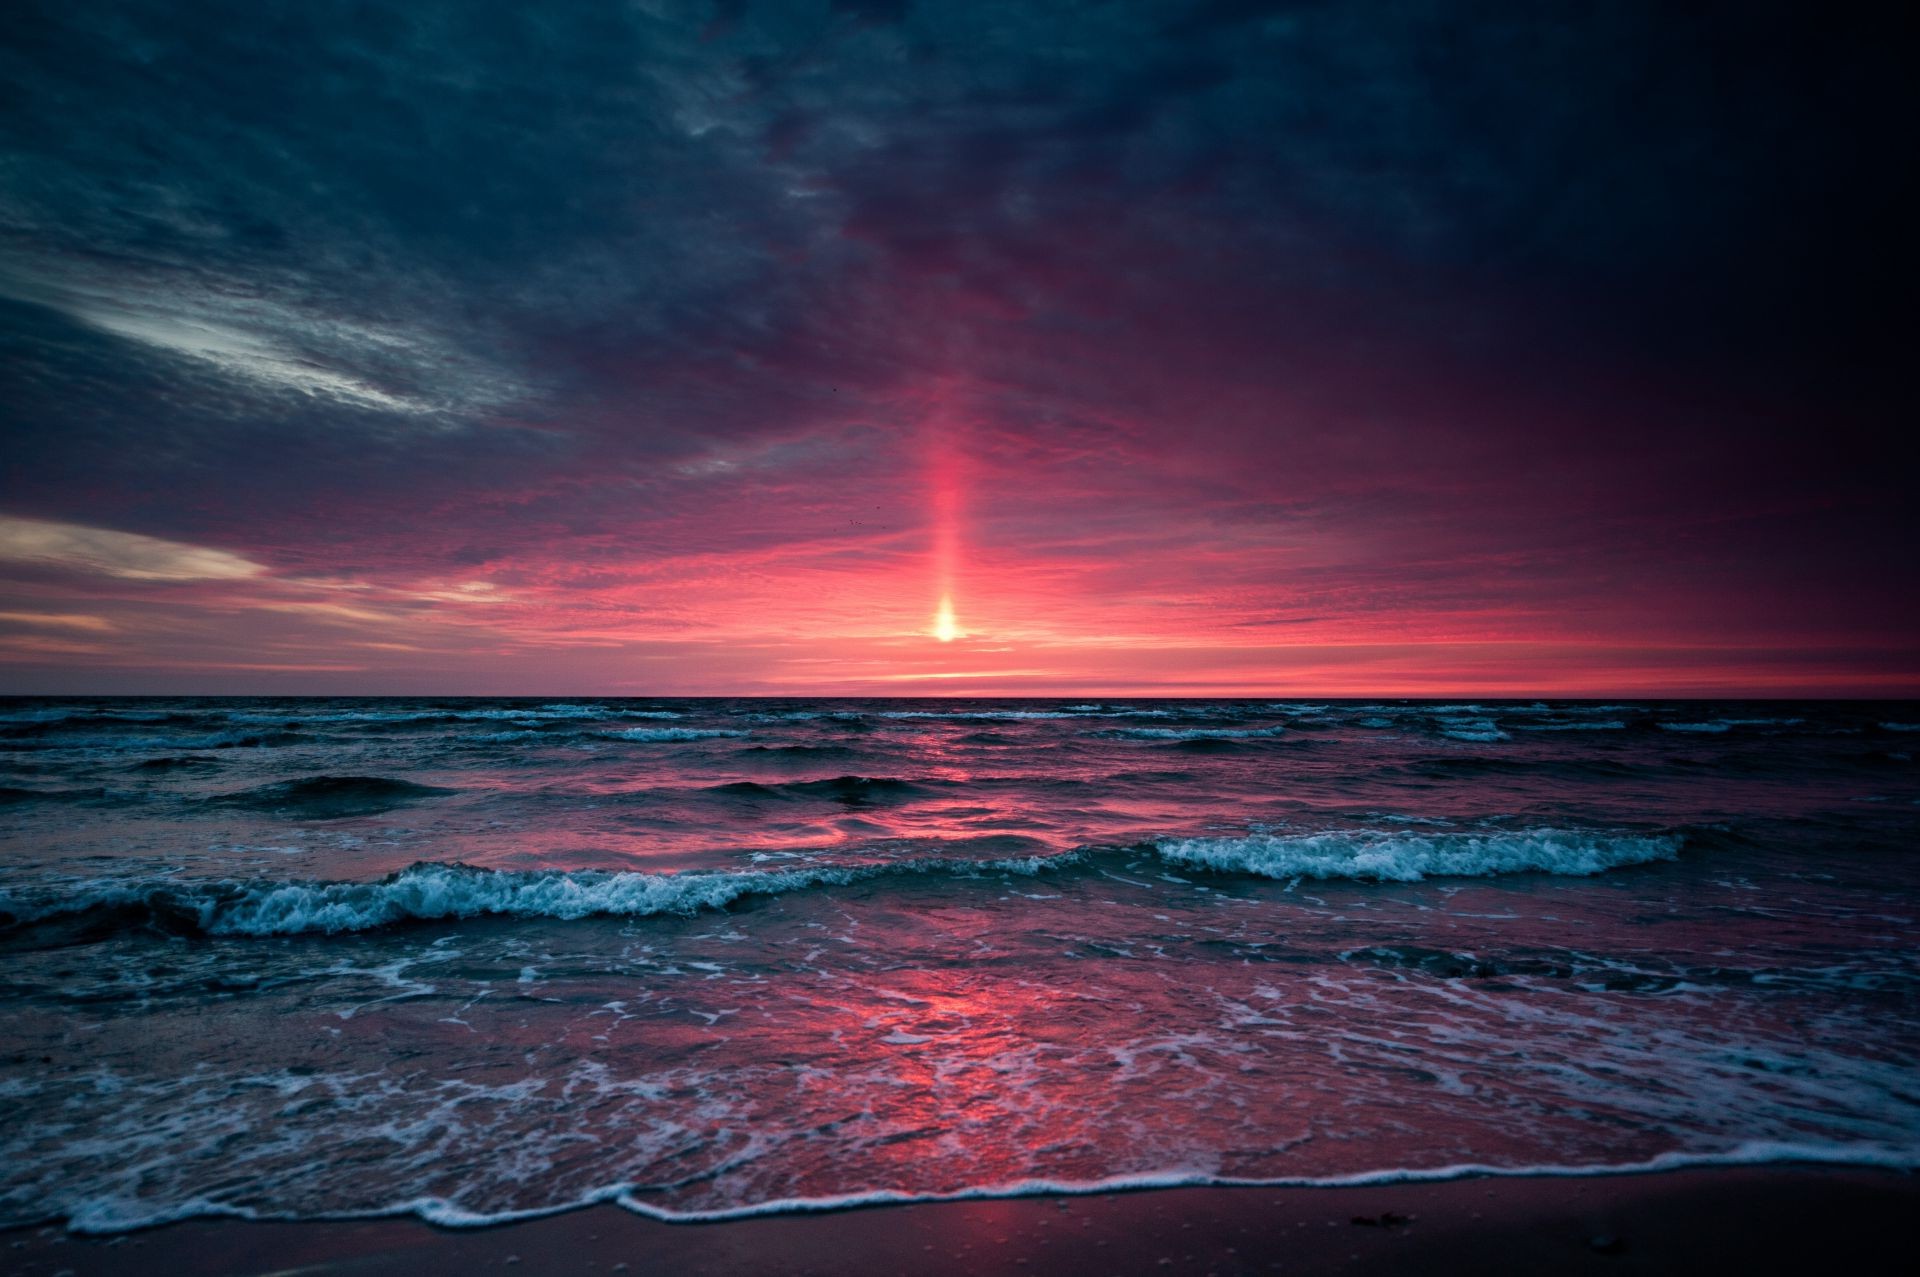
<point x="484" y="959"/>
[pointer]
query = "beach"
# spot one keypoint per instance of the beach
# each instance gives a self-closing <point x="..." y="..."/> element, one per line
<point x="1750" y="1220"/>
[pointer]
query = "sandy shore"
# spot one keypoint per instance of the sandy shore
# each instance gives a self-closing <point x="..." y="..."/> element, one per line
<point x="1746" y="1221"/>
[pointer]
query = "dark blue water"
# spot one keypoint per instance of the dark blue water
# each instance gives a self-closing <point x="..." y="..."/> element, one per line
<point x="482" y="958"/>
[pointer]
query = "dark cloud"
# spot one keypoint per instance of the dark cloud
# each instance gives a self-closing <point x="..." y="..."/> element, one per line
<point x="391" y="288"/>
<point x="873" y="10"/>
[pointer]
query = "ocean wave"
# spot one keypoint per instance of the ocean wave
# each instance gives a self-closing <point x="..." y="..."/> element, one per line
<point x="1603" y="725"/>
<point x="1019" y="715"/>
<point x="755" y="753"/>
<point x="845" y="789"/>
<point x="43" y="714"/>
<point x="1198" y="733"/>
<point x="53" y="719"/>
<point x="1404" y="857"/>
<point x="135" y="744"/>
<point x="330" y="797"/>
<point x="1472" y="729"/>
<point x="1717" y="725"/>
<point x="11" y="795"/>
<point x="672" y="733"/>
<point x="433" y="716"/>
<point x="1454" y="766"/>
<point x="983" y="715"/>
<point x="183" y="762"/>
<point x="439" y="891"/>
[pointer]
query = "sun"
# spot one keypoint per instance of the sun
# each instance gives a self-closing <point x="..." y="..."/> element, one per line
<point x="945" y="628"/>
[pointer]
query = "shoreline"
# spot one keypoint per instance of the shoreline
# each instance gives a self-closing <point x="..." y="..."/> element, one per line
<point x="1758" y="1219"/>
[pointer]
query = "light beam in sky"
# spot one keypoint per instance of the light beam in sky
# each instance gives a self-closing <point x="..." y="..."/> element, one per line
<point x="945" y="481"/>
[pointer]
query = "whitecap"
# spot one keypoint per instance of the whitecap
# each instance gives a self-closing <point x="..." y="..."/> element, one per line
<point x="432" y="891"/>
<point x="1200" y="733"/>
<point x="1405" y="857"/>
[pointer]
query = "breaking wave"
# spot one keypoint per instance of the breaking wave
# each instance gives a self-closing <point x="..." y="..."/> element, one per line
<point x="434" y="891"/>
<point x="437" y="891"/>
<point x="673" y="733"/>
<point x="1200" y="733"/>
<point x="1401" y="857"/>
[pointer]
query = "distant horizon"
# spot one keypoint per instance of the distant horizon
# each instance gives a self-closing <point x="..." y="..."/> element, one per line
<point x="1285" y="697"/>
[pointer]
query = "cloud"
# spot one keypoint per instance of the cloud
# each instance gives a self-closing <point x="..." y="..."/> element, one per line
<point x="128" y="556"/>
<point x="60" y="621"/>
<point x="243" y="353"/>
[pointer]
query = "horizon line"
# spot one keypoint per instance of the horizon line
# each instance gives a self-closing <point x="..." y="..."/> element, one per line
<point x="974" y="696"/>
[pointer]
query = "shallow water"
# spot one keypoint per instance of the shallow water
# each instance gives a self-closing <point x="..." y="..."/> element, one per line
<point x="483" y="958"/>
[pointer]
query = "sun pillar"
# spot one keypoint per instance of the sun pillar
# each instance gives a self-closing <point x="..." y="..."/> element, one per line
<point x="946" y="478"/>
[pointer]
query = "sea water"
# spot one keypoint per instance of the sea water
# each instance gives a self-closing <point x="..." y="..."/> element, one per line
<point x="479" y="959"/>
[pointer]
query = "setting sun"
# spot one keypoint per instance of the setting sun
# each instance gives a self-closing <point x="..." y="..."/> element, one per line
<point x="945" y="628"/>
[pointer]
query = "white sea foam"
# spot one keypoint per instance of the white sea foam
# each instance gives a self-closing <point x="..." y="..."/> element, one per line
<point x="1471" y="729"/>
<point x="1406" y="857"/>
<point x="124" y="1215"/>
<point x="513" y="714"/>
<point x="1017" y="715"/>
<point x="673" y="733"/>
<point x="988" y="715"/>
<point x="1604" y="725"/>
<point x="1724" y="724"/>
<point x="1200" y="733"/>
<point x="431" y="891"/>
<point x="134" y="744"/>
<point x="1747" y="1153"/>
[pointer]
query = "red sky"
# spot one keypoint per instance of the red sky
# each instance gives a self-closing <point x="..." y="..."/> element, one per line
<point x="1185" y="349"/>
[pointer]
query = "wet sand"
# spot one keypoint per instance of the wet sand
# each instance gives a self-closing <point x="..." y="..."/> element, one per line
<point x="1744" y="1220"/>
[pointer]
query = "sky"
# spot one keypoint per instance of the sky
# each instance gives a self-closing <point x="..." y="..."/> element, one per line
<point x="1203" y="347"/>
